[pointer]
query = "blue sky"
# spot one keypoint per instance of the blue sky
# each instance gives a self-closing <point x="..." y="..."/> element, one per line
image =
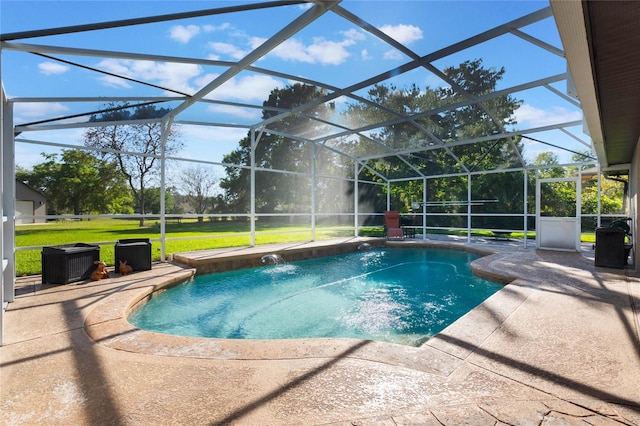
<point x="331" y="50"/>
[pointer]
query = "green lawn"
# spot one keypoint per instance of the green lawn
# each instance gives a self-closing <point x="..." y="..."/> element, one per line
<point x="107" y="231"/>
<point x="223" y="233"/>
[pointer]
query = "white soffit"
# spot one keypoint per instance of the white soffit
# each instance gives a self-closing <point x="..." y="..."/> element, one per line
<point x="569" y="15"/>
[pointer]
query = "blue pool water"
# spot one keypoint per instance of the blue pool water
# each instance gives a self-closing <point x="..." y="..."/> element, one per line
<point x="401" y="295"/>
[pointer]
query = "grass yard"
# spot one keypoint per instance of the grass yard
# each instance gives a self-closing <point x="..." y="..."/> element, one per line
<point x="198" y="236"/>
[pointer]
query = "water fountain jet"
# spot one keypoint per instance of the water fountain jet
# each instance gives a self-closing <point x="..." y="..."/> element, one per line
<point x="271" y="259"/>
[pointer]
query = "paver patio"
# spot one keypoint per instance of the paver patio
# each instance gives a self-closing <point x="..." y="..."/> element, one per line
<point x="559" y="345"/>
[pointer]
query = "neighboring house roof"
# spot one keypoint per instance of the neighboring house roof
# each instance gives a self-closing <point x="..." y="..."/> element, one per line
<point x="25" y="192"/>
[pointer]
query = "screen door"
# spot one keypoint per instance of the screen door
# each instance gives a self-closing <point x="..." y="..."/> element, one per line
<point x="557" y="214"/>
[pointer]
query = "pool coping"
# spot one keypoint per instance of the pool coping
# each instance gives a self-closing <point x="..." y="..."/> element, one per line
<point x="558" y="343"/>
<point x="108" y="326"/>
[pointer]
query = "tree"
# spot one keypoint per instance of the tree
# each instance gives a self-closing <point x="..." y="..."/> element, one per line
<point x="611" y="196"/>
<point x="198" y="183"/>
<point x="277" y="191"/>
<point x="613" y="189"/>
<point x="79" y="183"/>
<point x="152" y="200"/>
<point x="550" y="165"/>
<point x="557" y="199"/>
<point x="135" y="148"/>
<point x="447" y="126"/>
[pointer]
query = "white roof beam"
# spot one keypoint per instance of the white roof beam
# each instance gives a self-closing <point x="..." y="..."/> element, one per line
<point x="482" y="139"/>
<point x="454" y="105"/>
<point x="280" y="37"/>
<point x="490" y="34"/>
<point x="47" y="49"/>
<point x="84" y="124"/>
<point x="536" y="41"/>
<point x="145" y="20"/>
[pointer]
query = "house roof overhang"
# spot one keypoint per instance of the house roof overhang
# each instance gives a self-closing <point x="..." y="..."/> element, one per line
<point x="601" y="42"/>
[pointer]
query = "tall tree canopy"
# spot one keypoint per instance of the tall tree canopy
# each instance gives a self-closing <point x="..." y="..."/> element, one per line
<point x="135" y="147"/>
<point x="79" y="183"/>
<point x="152" y="200"/>
<point x="427" y="138"/>
<point x="277" y="191"/>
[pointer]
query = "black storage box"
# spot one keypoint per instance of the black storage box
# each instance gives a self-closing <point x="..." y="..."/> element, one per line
<point x="135" y="251"/>
<point x="610" y="248"/>
<point x="407" y="225"/>
<point x="68" y="263"/>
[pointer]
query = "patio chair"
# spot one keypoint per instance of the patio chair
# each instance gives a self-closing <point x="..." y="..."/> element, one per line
<point x="392" y="226"/>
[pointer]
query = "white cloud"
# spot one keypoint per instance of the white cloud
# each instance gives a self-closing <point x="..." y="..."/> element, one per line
<point x="536" y="117"/>
<point x="221" y="27"/>
<point x="115" y="82"/>
<point x="115" y="66"/>
<point x="354" y="34"/>
<point x="170" y="75"/>
<point x="208" y="133"/>
<point x="392" y="54"/>
<point x="210" y="143"/>
<point x="320" y="51"/>
<point x="293" y="50"/>
<point x="256" y="41"/>
<point x="33" y="110"/>
<point x="228" y="49"/>
<point x="249" y="88"/>
<point x="330" y="52"/>
<point x="247" y="113"/>
<point x="205" y="79"/>
<point x="404" y="34"/>
<point x="183" y="33"/>
<point x="364" y="54"/>
<point x="50" y="68"/>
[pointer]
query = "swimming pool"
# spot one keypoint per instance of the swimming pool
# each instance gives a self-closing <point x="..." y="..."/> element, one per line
<point x="400" y="295"/>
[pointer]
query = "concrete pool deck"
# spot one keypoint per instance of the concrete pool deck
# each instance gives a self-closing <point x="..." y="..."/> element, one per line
<point x="558" y="345"/>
